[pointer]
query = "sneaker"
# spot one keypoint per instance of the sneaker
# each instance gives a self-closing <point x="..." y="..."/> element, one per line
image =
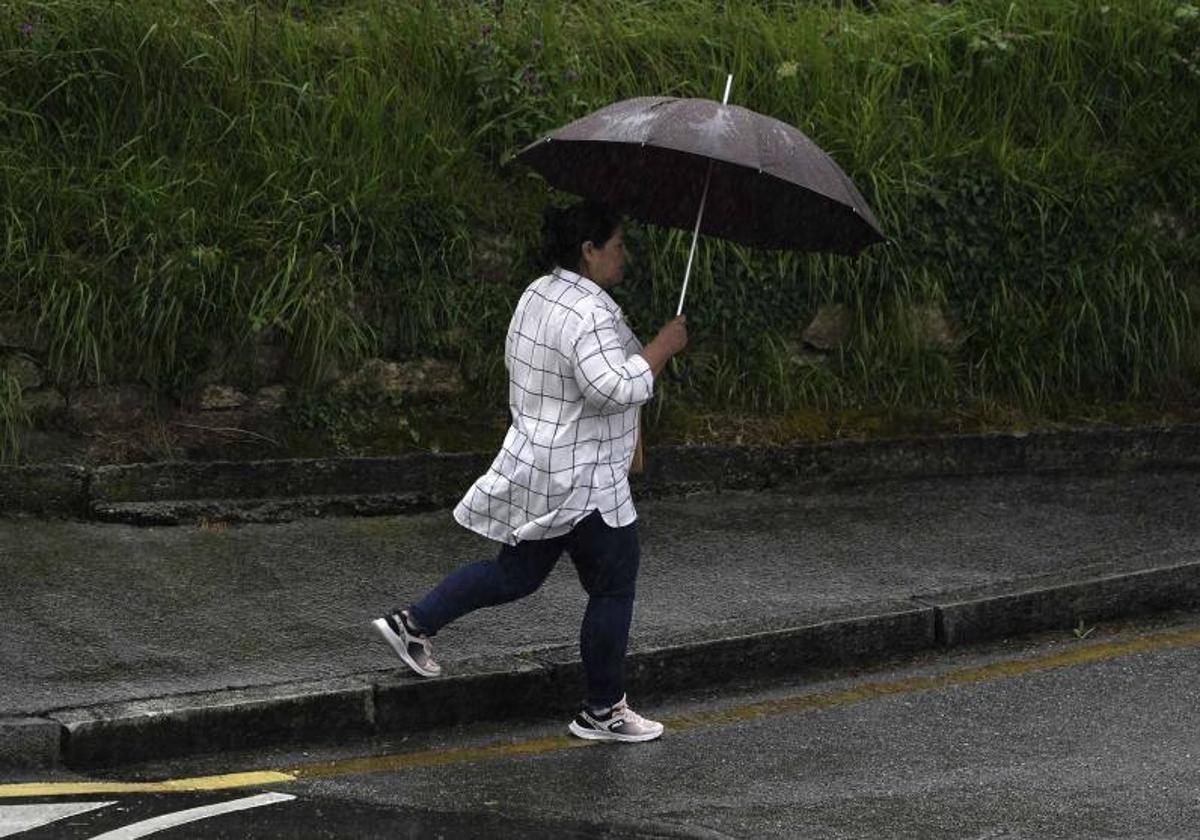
<point x="620" y="723"/>
<point x="414" y="648"/>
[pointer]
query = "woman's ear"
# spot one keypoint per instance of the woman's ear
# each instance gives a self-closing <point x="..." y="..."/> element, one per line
<point x="586" y="252"/>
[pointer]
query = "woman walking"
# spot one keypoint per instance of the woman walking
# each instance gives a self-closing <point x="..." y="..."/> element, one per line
<point x="577" y="377"/>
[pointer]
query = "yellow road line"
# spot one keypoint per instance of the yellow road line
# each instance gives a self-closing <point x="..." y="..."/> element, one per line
<point x="1097" y="652"/>
<point x="433" y="758"/>
<point x="225" y="782"/>
<point x="1076" y="655"/>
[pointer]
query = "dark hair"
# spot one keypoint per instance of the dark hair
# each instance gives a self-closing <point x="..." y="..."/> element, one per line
<point x="565" y="229"/>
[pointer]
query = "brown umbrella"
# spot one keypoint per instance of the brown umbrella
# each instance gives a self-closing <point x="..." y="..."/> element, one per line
<point x="664" y="159"/>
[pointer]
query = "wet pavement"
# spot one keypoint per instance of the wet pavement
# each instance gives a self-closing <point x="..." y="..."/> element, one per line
<point x="241" y="816"/>
<point x="97" y="612"/>
<point x="1102" y="749"/>
<point x="1048" y="737"/>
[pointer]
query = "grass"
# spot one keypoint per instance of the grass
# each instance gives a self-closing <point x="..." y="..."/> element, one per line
<point x="12" y="418"/>
<point x="182" y="177"/>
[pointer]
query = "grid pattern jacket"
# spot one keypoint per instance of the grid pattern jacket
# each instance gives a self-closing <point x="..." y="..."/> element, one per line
<point x="575" y="387"/>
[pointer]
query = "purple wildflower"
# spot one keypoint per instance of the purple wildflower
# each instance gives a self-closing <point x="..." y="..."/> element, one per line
<point x="530" y="76"/>
<point x="26" y="29"/>
<point x="571" y="76"/>
<point x="485" y="29"/>
<point x="537" y="43"/>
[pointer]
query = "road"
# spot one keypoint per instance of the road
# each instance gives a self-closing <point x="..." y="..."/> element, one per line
<point x="1049" y="737"/>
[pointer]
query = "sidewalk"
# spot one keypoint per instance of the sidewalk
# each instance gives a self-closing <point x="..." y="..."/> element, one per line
<point x="120" y="643"/>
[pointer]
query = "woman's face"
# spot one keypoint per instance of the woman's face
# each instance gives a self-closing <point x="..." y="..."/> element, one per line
<point x="604" y="264"/>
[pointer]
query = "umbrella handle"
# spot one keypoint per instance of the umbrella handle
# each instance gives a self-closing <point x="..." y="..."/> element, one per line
<point x="700" y="215"/>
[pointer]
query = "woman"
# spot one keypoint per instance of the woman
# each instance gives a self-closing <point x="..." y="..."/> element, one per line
<point x="577" y="377"/>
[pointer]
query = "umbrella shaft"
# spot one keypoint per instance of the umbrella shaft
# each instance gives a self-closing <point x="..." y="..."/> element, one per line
<point x="695" y="238"/>
<point x="700" y="215"/>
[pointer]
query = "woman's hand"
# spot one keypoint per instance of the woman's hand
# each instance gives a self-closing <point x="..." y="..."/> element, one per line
<point x="671" y="339"/>
<point x="674" y="334"/>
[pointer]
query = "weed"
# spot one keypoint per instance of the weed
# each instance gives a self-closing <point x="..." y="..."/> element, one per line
<point x="184" y="175"/>
<point x="352" y="417"/>
<point x="12" y="418"/>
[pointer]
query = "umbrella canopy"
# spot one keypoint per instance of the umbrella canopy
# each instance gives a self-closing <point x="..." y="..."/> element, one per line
<point x="770" y="187"/>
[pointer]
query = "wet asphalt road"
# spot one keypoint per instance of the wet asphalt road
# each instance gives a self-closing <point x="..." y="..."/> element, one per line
<point x="1053" y="737"/>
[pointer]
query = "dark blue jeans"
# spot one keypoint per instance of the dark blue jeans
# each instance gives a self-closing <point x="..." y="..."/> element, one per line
<point x="606" y="560"/>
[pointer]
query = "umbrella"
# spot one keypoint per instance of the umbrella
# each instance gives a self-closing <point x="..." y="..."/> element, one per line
<point x="662" y="159"/>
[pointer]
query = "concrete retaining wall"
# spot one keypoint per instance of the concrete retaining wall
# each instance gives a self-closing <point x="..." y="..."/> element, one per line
<point x="170" y="492"/>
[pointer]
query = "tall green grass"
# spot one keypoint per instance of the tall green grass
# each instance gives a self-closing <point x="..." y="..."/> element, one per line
<point x="180" y="176"/>
<point x="13" y="418"/>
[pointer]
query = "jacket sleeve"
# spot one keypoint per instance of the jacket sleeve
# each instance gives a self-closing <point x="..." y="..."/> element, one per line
<point x="610" y="381"/>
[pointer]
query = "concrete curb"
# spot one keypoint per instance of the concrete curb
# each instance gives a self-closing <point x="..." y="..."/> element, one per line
<point x="270" y="491"/>
<point x="551" y="681"/>
<point x="178" y="512"/>
<point x="273" y="491"/>
<point x="1041" y="603"/>
<point x="117" y="733"/>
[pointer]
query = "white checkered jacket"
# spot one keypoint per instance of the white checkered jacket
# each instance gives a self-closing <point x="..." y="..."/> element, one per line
<point x="575" y="385"/>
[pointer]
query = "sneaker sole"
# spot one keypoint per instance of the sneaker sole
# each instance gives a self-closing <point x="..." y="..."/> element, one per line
<point x="596" y="735"/>
<point x="397" y="644"/>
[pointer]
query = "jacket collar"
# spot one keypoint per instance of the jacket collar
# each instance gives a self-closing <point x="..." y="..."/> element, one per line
<point x="582" y="282"/>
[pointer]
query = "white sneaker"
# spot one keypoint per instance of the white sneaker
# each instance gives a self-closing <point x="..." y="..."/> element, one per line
<point x="412" y="647"/>
<point x="620" y="723"/>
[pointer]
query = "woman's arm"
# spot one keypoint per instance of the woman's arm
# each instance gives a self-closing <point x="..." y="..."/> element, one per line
<point x="609" y="380"/>
<point x="670" y="340"/>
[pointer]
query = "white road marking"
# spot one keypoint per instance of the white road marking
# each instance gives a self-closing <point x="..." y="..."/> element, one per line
<point x="17" y="818"/>
<point x="161" y="823"/>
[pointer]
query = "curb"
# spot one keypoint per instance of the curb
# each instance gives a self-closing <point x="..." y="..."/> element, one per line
<point x="551" y="681"/>
<point x="138" y="730"/>
<point x="272" y="491"/>
<point x="1037" y="603"/>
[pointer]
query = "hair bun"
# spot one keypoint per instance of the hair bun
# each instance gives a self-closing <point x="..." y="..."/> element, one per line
<point x="565" y="229"/>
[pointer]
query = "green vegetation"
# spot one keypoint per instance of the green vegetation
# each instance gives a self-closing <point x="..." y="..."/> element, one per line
<point x="12" y="415"/>
<point x="179" y="175"/>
